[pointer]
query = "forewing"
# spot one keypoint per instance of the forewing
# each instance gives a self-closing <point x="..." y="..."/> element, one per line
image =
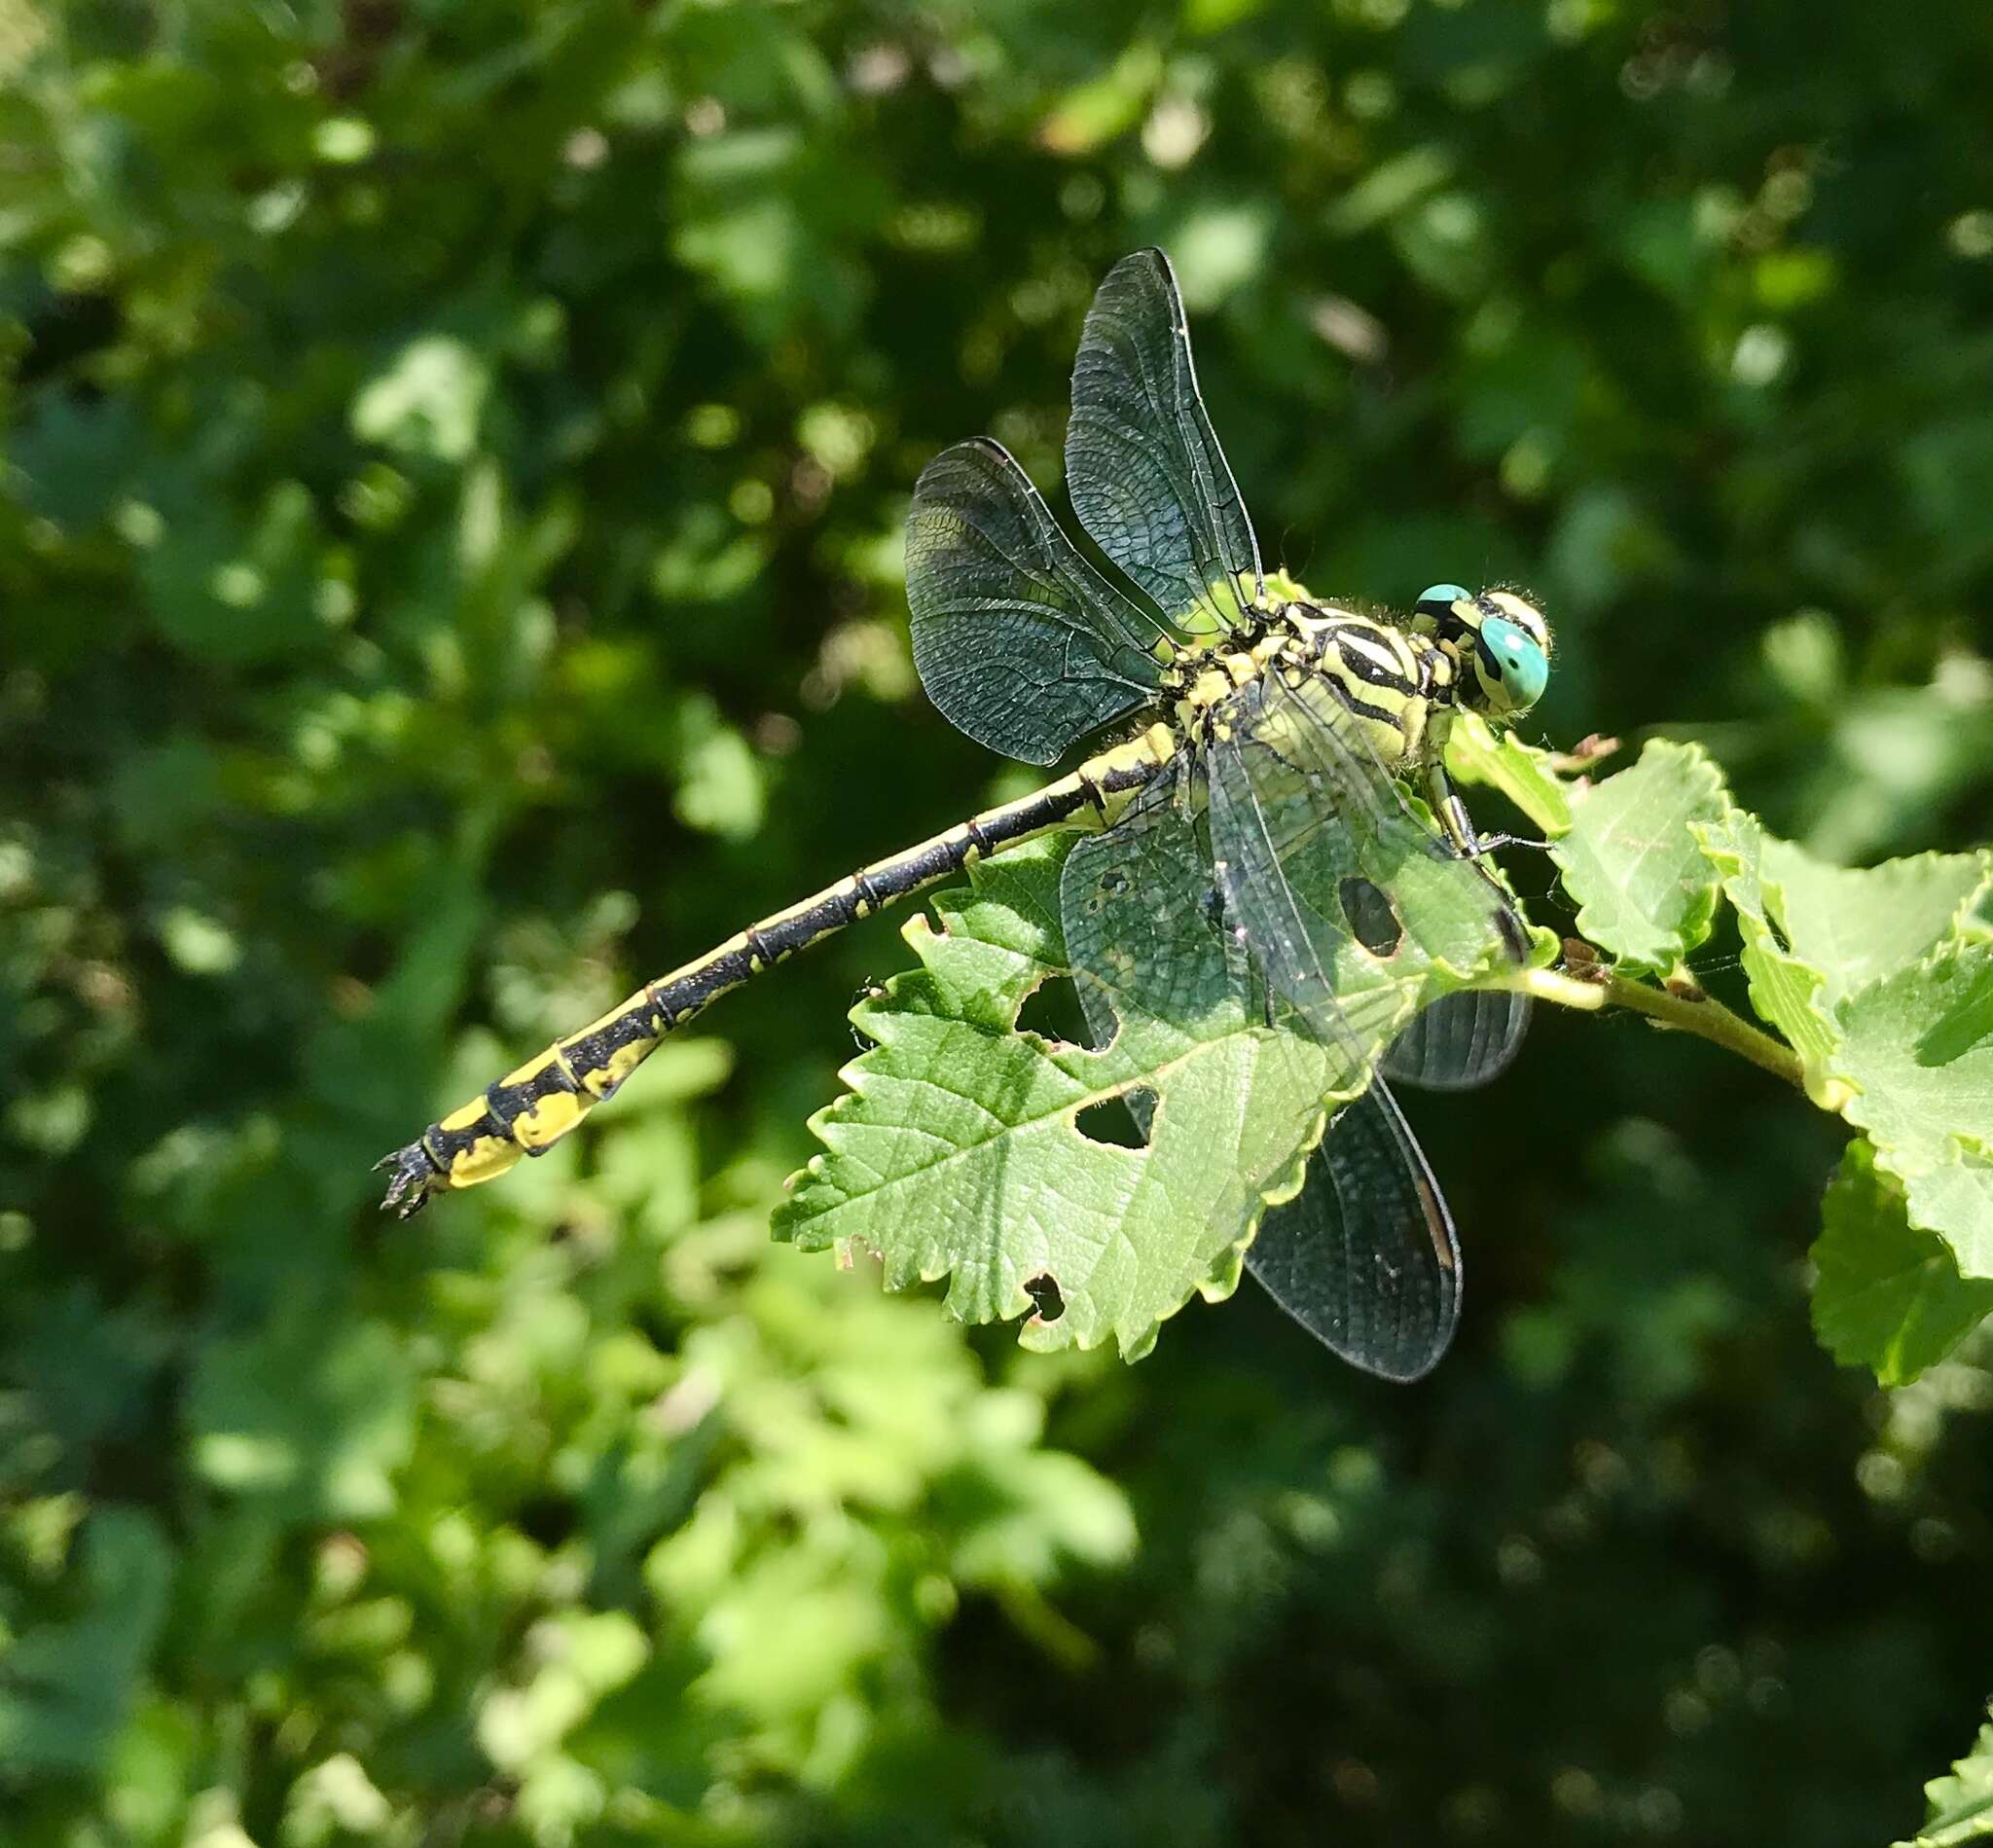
<point x="1364" y="1256"/>
<point x="1019" y="641"/>
<point x="1459" y="1040"/>
<point x="1142" y="464"/>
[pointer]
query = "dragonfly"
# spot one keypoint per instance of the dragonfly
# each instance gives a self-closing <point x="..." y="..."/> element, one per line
<point x="1258" y="793"/>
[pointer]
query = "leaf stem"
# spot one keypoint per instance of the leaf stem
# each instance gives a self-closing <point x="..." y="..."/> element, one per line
<point x="1701" y="1014"/>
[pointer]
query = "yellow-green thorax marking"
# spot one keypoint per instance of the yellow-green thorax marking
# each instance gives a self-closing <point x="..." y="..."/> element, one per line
<point x="1387" y="681"/>
<point x="1396" y="688"/>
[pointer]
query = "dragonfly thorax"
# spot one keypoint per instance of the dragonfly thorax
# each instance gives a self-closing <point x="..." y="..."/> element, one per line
<point x="1378" y="684"/>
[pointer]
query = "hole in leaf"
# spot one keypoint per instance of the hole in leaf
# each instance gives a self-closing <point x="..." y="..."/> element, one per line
<point x="1052" y="1011"/>
<point x="1371" y="917"/>
<point x="1046" y="1299"/>
<point x="1119" y="1122"/>
<point x="1108" y="887"/>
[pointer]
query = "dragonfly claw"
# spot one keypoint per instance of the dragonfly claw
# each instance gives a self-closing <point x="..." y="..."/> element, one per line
<point x="413" y="1178"/>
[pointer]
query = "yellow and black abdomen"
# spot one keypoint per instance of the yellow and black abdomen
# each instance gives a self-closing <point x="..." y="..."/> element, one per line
<point x="532" y="1107"/>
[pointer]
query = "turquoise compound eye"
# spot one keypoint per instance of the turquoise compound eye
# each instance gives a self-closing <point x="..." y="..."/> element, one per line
<point x="1442" y="597"/>
<point x="1518" y="659"/>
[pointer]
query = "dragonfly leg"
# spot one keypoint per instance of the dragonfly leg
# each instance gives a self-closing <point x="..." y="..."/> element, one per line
<point x="1488" y="843"/>
<point x="1458" y="826"/>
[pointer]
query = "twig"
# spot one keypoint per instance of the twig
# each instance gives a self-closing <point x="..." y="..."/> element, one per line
<point x="1697" y="1013"/>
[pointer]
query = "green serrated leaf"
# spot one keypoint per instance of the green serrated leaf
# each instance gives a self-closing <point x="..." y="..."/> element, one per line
<point x="1925" y="1093"/>
<point x="1786" y="990"/>
<point x="957" y="1151"/>
<point x="1974" y="922"/>
<point x="1959" y="1808"/>
<point x="1858" y="926"/>
<point x="1967" y="1019"/>
<point x="1814" y="933"/>
<point x="1646" y="892"/>
<point x="1887" y="1295"/>
<point x="1958" y="1192"/>
<point x="1477" y="753"/>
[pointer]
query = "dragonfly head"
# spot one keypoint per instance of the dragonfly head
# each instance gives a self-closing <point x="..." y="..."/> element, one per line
<point x="1499" y="640"/>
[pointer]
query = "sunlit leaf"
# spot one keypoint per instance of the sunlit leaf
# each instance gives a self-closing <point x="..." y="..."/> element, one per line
<point x="1787" y="990"/>
<point x="1959" y="1808"/>
<point x="1096" y="112"/>
<point x="428" y="401"/>
<point x="1477" y="753"/>
<point x="1646" y="893"/>
<point x="1924" y="1092"/>
<point x="957" y="1152"/>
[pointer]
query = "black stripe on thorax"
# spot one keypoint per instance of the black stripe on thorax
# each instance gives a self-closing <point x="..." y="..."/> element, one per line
<point x="1362" y="708"/>
<point x="1366" y="668"/>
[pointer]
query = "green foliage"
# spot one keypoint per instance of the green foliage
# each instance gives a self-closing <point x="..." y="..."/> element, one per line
<point x="1887" y="1294"/>
<point x="1960" y="1806"/>
<point x="61" y="1709"/>
<point x="1917" y="1050"/>
<point x="454" y="470"/>
<point x="957" y="1153"/>
<point x="1878" y="981"/>
<point x="1476" y="753"/>
<point x="1645" y="891"/>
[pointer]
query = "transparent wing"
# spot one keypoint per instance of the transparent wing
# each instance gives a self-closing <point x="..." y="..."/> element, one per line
<point x="1366" y="1256"/>
<point x="1019" y="641"/>
<point x="1142" y="464"/>
<point x="1461" y="1041"/>
<point x="1328" y="874"/>
<point x="1252" y="876"/>
<point x="1138" y="910"/>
